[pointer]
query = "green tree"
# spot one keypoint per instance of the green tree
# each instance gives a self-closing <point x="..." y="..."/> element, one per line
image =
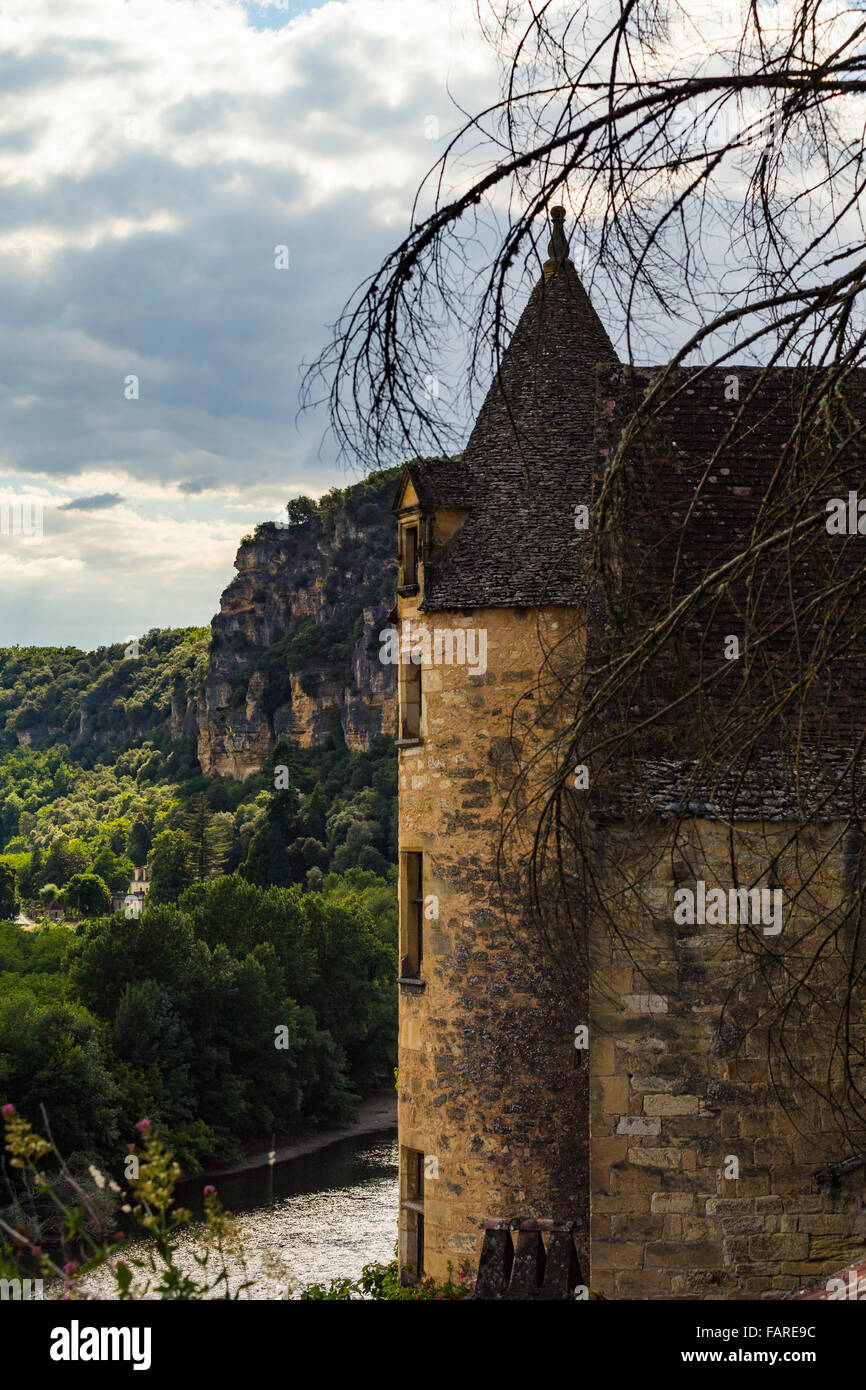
<point x="114" y="869"/>
<point x="33" y="954"/>
<point x="360" y="837"/>
<point x="12" y="808"/>
<point x="65" y="858"/>
<point x="119" y="950"/>
<point x="50" y="1055"/>
<point x="314" y="852"/>
<point x="273" y="855"/>
<point x="8" y="893"/>
<point x="314" y="814"/>
<point x="195" y="1025"/>
<point x="140" y="843"/>
<point x="234" y="913"/>
<point x="208" y="837"/>
<point x="271" y="859"/>
<point x="300" y="510"/>
<point x="88" y="894"/>
<point x="353" y="992"/>
<point x="117" y="833"/>
<point x="31" y="877"/>
<point x="63" y="780"/>
<point x="173" y="861"/>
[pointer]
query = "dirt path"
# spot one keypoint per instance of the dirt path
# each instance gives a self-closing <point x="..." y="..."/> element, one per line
<point x="377" y="1113"/>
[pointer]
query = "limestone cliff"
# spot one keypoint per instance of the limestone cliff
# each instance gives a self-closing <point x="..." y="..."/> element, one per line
<point x="295" y="645"/>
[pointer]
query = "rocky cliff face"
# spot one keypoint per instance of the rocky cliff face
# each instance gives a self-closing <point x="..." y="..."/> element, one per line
<point x="295" y="645"/>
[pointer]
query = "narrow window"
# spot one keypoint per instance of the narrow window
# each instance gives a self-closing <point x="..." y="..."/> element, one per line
<point x="410" y="557"/>
<point x="412" y="953"/>
<point x="412" y="1209"/>
<point x="410" y="701"/>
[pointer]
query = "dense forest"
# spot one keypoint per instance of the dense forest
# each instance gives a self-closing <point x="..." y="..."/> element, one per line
<point x="254" y="992"/>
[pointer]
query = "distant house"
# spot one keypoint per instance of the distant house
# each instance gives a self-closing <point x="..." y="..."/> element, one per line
<point x="55" y="911"/>
<point x="140" y="883"/>
<point x="132" y="901"/>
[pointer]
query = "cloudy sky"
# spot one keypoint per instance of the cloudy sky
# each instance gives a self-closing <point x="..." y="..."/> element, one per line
<point x="153" y="154"/>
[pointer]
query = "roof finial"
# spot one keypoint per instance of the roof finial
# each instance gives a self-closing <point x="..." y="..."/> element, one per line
<point x="557" y="248"/>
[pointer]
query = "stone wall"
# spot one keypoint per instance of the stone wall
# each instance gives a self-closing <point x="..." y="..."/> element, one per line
<point x="687" y="1142"/>
<point x="490" y="1083"/>
<point x="679" y="1086"/>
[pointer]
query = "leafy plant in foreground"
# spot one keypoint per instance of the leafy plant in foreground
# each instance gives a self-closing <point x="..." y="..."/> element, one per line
<point x="151" y="1211"/>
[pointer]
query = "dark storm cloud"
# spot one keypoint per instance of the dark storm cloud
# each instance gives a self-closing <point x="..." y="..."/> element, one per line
<point x="100" y="503"/>
<point x="215" y="334"/>
<point x="195" y="486"/>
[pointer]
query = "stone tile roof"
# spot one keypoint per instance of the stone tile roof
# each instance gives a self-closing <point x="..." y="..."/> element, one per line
<point x="695" y="484"/>
<point x="440" y="482"/>
<point x="701" y="480"/>
<point x="528" y="461"/>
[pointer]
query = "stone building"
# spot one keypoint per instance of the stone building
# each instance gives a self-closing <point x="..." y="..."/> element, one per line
<point x="503" y="1114"/>
<point x="133" y="900"/>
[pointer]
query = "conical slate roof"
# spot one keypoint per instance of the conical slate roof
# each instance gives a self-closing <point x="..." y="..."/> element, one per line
<point x="529" y="459"/>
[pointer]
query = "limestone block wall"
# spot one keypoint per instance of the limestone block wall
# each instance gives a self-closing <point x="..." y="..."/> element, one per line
<point x="673" y="1097"/>
<point x="490" y="1083"/>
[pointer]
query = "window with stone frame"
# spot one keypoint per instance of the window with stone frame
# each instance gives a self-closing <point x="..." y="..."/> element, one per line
<point x="409" y="556"/>
<point x="412" y="1208"/>
<point x="412" y="915"/>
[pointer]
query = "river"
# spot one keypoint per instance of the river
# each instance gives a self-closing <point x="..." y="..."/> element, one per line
<point x="310" y="1219"/>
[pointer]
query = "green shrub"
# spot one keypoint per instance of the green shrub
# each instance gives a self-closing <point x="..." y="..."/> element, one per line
<point x="385" y="1282"/>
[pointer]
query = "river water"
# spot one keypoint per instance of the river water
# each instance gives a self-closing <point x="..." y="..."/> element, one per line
<point x="311" y="1219"/>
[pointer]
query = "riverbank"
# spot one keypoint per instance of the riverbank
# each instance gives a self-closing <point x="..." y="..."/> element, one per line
<point x="377" y="1113"/>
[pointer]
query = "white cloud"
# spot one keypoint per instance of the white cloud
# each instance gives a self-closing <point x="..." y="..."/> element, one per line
<point x="21" y="568"/>
<point x="153" y="154"/>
